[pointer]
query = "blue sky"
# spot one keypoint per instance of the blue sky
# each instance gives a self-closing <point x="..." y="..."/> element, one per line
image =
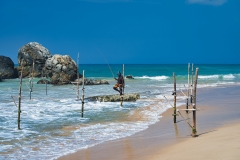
<point x="125" y="31"/>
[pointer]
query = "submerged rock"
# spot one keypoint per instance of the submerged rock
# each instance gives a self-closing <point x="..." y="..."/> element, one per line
<point x="29" y="53"/>
<point x="7" y="68"/>
<point x="115" y="98"/>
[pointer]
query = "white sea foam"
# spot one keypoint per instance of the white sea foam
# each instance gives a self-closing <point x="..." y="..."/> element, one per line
<point x="215" y="77"/>
<point x="89" y="135"/>
<point x="229" y="76"/>
<point x="208" y="77"/>
<point x="158" y="78"/>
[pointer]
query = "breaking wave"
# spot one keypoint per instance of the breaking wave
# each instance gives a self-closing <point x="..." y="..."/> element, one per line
<point x="158" y="78"/>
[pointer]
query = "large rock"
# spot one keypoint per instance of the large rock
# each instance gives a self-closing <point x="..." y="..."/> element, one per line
<point x="30" y="52"/>
<point x="7" y="68"/>
<point x="115" y="98"/>
<point x="61" y="69"/>
<point x="91" y="81"/>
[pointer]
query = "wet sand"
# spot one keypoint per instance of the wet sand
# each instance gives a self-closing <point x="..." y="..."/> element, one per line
<point x="216" y="123"/>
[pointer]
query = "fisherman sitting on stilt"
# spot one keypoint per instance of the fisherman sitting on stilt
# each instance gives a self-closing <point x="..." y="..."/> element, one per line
<point x="120" y="83"/>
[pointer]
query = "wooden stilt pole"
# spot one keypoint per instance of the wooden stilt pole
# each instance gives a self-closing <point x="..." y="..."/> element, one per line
<point x="175" y="100"/>
<point x="78" y="97"/>
<point x="83" y="94"/>
<point x="121" y="100"/>
<point x="123" y="78"/>
<point x="45" y="81"/>
<point x="19" y="99"/>
<point x="46" y="84"/>
<point x="192" y="85"/>
<point x="194" y="130"/>
<point x="123" y="87"/>
<point x="31" y="83"/>
<point x="188" y="88"/>
<point x="30" y="88"/>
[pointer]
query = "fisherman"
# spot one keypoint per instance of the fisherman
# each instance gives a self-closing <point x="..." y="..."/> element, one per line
<point x="120" y="83"/>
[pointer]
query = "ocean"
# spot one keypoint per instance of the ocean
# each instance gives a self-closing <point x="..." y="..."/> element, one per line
<point x="52" y="126"/>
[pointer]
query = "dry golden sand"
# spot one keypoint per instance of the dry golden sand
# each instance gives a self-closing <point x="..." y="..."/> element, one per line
<point x="221" y="144"/>
<point x="218" y="127"/>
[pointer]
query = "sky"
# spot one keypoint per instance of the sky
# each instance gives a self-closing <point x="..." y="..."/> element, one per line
<point x="125" y="31"/>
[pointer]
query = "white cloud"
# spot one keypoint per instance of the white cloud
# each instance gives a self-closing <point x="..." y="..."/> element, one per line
<point x="208" y="2"/>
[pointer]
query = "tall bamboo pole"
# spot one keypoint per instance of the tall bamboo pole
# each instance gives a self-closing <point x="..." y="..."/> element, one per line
<point x="188" y="87"/>
<point x="123" y="87"/>
<point x="192" y="85"/>
<point x="194" y="130"/>
<point x="175" y="99"/>
<point x="83" y="94"/>
<point x="46" y="84"/>
<point x="45" y="80"/>
<point x="19" y="99"/>
<point x="30" y="89"/>
<point x="31" y="83"/>
<point x="123" y="78"/>
<point x="78" y="97"/>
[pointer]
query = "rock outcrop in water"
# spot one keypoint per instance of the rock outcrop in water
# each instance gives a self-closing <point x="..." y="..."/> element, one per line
<point x="29" y="53"/>
<point x="91" y="81"/>
<point x="115" y="98"/>
<point x="129" y="77"/>
<point x="61" y="69"/>
<point x="7" y="68"/>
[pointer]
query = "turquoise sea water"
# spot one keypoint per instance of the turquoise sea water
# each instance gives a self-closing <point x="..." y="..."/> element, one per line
<point x="51" y="125"/>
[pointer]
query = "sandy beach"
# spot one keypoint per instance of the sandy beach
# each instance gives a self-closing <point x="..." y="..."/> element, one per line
<point x="218" y="129"/>
<point x="221" y="143"/>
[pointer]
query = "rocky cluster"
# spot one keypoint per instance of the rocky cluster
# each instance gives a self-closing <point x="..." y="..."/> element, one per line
<point x="7" y="68"/>
<point x="36" y="61"/>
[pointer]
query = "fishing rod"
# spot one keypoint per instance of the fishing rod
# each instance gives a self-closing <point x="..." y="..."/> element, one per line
<point x="107" y="63"/>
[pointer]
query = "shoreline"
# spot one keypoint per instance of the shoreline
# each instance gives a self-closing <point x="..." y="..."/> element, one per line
<point x="165" y="133"/>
